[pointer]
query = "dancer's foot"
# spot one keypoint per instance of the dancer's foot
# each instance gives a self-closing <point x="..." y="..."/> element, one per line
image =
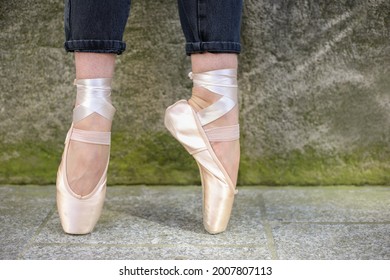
<point x="207" y="126"/>
<point x="87" y="162"/>
<point x="228" y="152"/>
<point x="82" y="174"/>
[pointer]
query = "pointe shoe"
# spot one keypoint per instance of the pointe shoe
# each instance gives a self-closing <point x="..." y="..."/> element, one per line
<point x="187" y="126"/>
<point x="79" y="214"/>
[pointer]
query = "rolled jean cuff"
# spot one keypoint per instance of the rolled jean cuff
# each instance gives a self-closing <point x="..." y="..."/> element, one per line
<point x="95" y="46"/>
<point x="213" y="47"/>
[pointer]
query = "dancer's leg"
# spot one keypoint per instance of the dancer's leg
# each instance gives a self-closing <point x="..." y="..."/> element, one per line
<point x="207" y="125"/>
<point x="94" y="31"/>
<point x="87" y="162"/>
<point x="228" y="152"/>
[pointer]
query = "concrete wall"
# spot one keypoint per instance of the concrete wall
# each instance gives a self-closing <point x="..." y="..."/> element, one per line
<point x="314" y="93"/>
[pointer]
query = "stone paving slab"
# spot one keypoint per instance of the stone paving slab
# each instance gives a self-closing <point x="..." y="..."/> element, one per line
<point x="123" y="252"/>
<point x="22" y="211"/>
<point x="328" y="204"/>
<point x="163" y="215"/>
<point x="156" y="222"/>
<point x="297" y="241"/>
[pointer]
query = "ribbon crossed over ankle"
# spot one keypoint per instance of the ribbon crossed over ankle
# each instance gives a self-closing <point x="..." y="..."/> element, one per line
<point x="93" y="95"/>
<point x="222" y="82"/>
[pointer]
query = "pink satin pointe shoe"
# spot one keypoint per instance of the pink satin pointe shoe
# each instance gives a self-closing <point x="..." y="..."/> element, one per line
<point x="79" y="214"/>
<point x="187" y="126"/>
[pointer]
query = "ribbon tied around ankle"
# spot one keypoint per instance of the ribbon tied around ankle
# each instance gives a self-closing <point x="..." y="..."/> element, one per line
<point x="93" y="96"/>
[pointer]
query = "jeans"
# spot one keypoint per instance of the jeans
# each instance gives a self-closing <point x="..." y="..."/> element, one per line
<point x="98" y="25"/>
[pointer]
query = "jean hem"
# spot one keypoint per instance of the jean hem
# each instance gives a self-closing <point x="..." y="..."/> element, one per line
<point x="95" y="46"/>
<point x="213" y="47"/>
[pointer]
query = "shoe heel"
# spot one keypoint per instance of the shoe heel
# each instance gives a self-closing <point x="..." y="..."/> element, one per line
<point x="180" y="122"/>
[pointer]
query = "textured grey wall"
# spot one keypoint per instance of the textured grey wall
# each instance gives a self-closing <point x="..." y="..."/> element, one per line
<point x="314" y="93"/>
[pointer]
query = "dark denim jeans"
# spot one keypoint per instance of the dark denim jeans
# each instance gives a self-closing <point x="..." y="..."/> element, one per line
<point x="98" y="25"/>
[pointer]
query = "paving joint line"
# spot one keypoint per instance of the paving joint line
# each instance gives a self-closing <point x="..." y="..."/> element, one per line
<point x="30" y="242"/>
<point x="117" y="245"/>
<point x="331" y="223"/>
<point x="268" y="230"/>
